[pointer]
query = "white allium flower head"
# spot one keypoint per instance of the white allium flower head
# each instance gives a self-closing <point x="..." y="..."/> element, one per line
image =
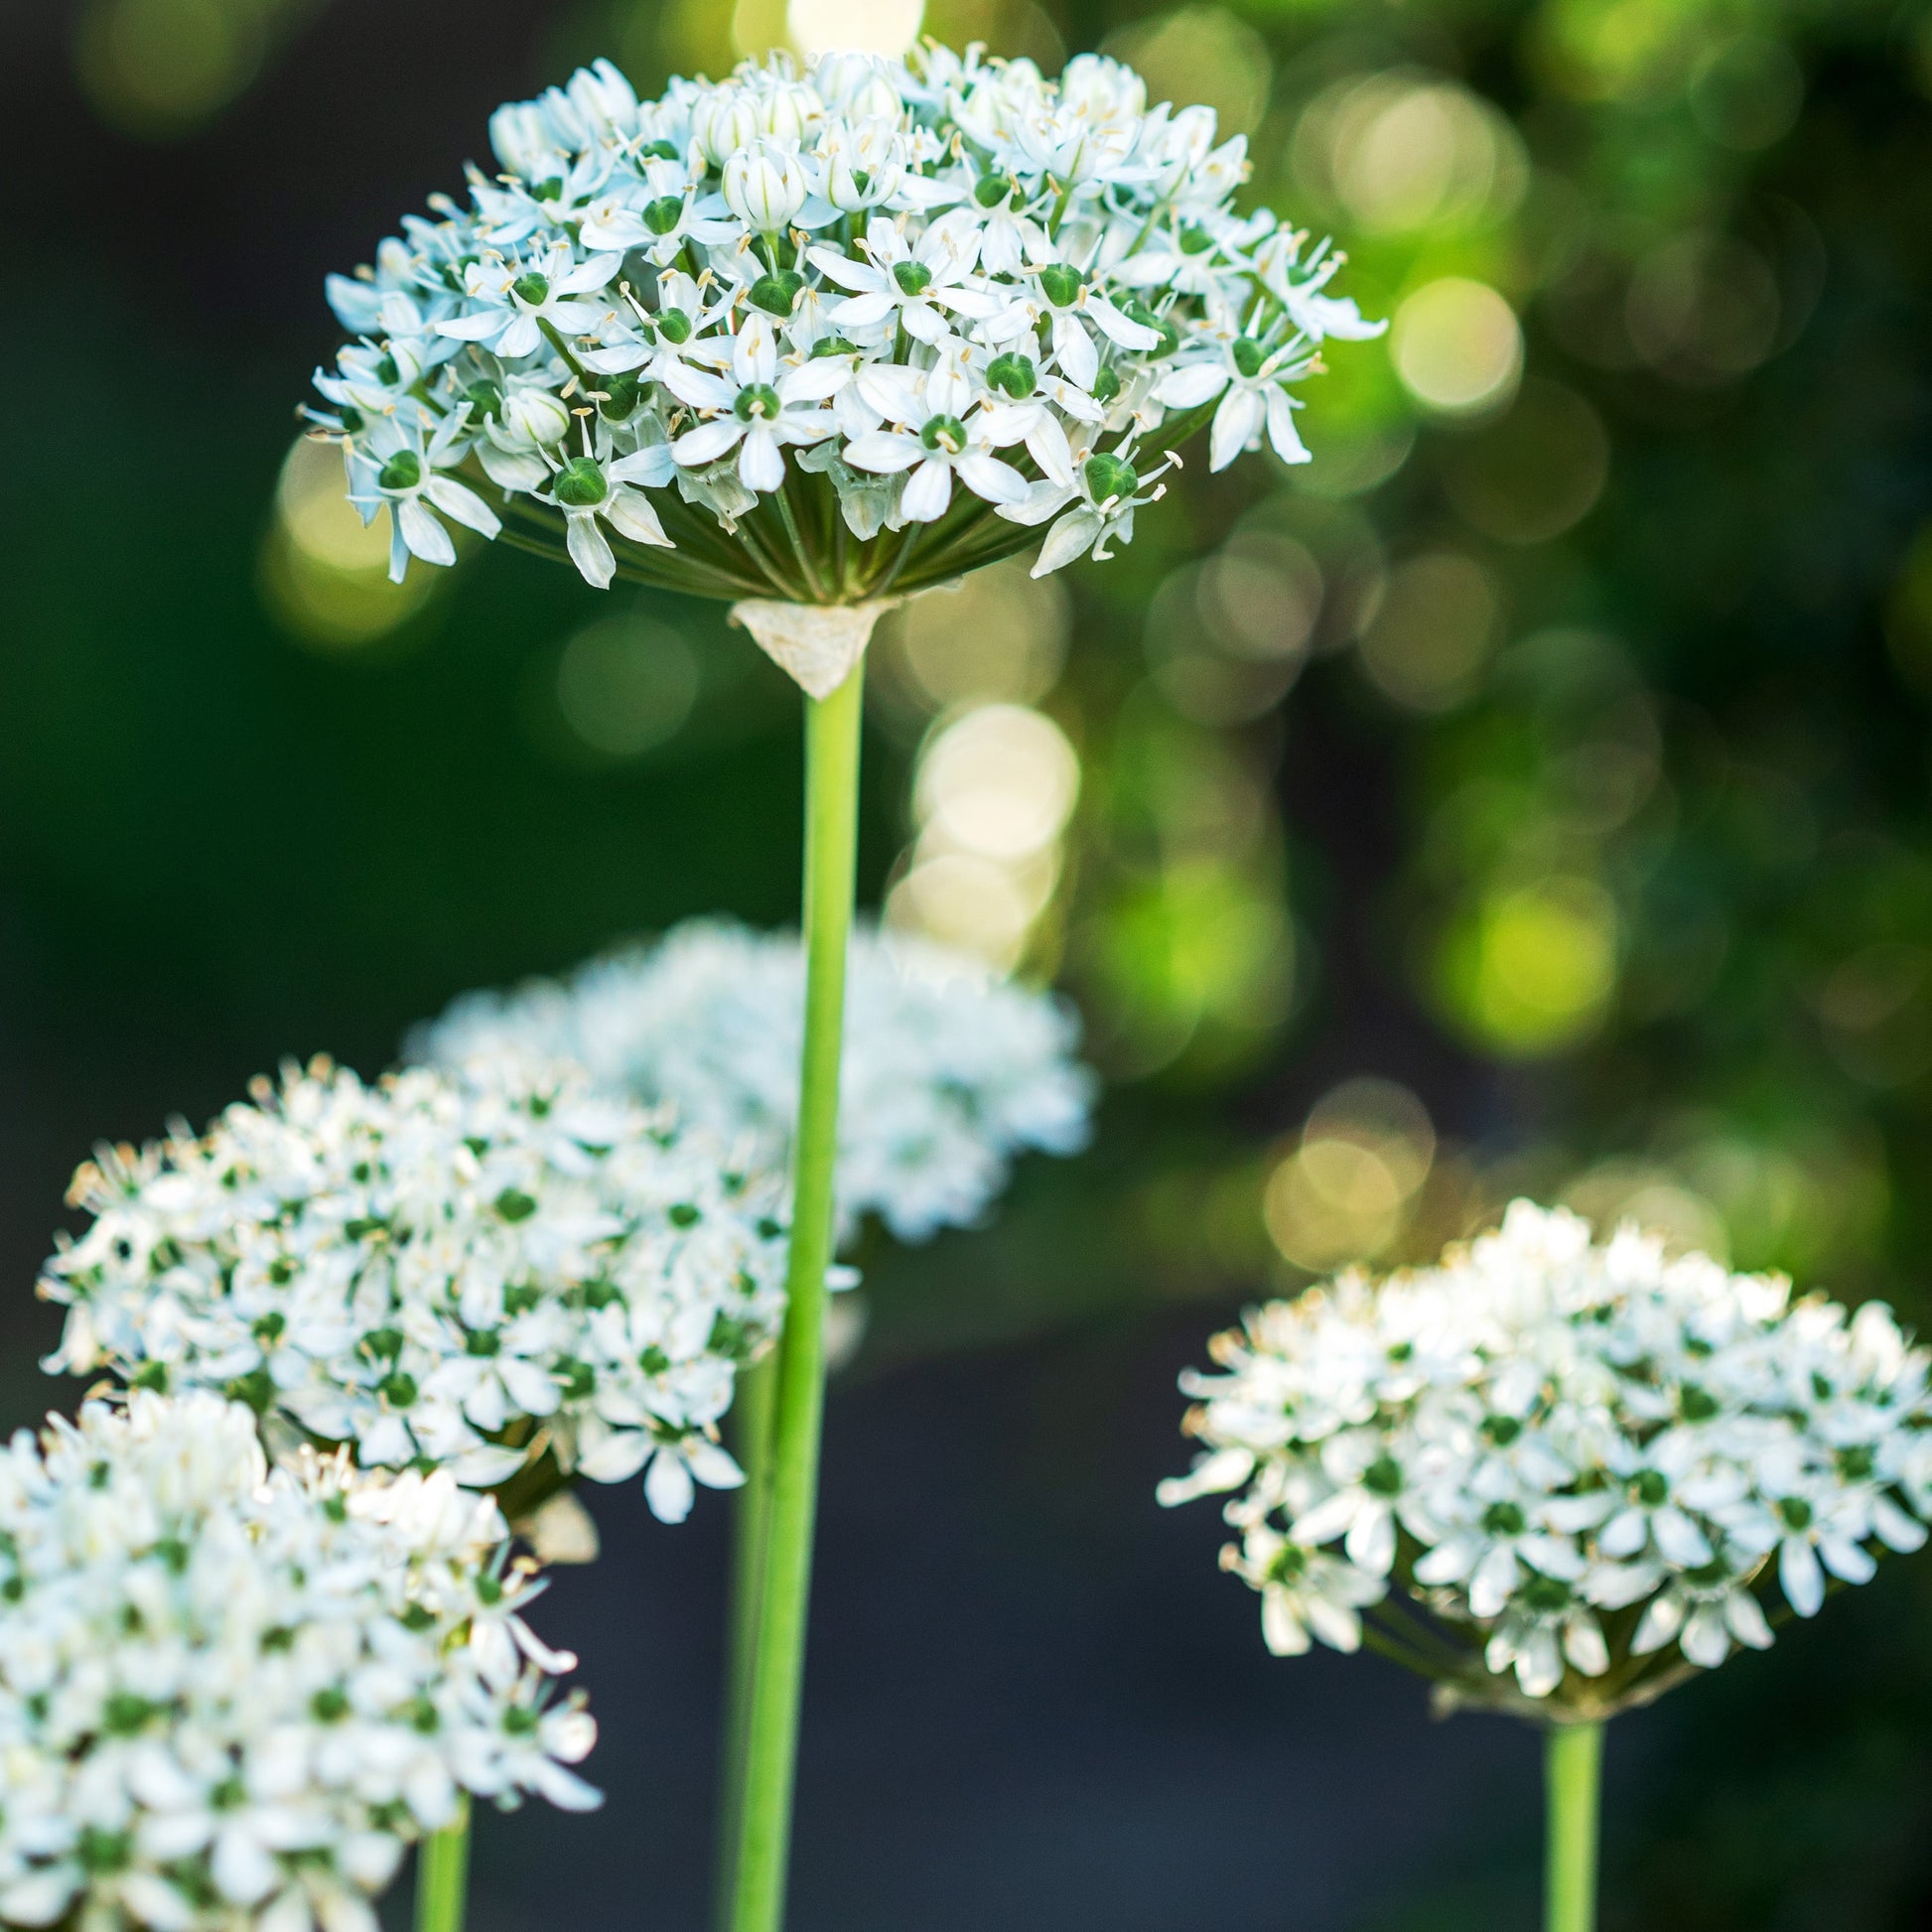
<point x="230" y="1695"/>
<point x="495" y="1270"/>
<point x="1593" y="1465"/>
<point x="948" y="1072"/>
<point x="945" y="302"/>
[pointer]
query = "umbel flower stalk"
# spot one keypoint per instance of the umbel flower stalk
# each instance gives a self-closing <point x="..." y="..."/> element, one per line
<point x="810" y="342"/>
<point x="1558" y="1477"/>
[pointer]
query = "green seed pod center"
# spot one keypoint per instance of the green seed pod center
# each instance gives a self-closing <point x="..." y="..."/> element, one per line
<point x="578" y="485"/>
<point x="531" y="287"/>
<point x="622" y="395"/>
<point x="1650" y="1489"/>
<point x="485" y="401"/>
<point x="1059" y="282"/>
<point x="778" y="295"/>
<point x="756" y="402"/>
<point x="1195" y="240"/>
<point x="674" y="326"/>
<point x="1248" y="357"/>
<point x="403" y="470"/>
<point x="1110" y="478"/>
<point x="914" y="278"/>
<point x="1013" y="374"/>
<point x="1504" y="1519"/>
<point x="946" y="433"/>
<point x="664" y="214"/>
<point x="991" y="192"/>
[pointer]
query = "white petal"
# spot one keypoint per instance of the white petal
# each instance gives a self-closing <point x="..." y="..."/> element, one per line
<point x="668" y="1488"/>
<point x="885" y="451"/>
<point x="1282" y="432"/>
<point x="1237" y="424"/>
<point x="615" y="1458"/>
<point x="1800" y="1576"/>
<point x="1281" y="1629"/>
<point x="425" y="537"/>
<point x="1072" y="536"/>
<point x="1704" y="1639"/>
<point x="928" y="491"/>
<point x="1189" y="386"/>
<point x="761" y="463"/>
<point x="989" y="477"/>
<point x="1657" y="1626"/>
<point x="1746" y="1619"/>
<point x="712" y="1464"/>
<point x="708" y="444"/>
<point x="461" y="502"/>
<point x="629" y="513"/>
<point x="590" y="552"/>
<point x="1679" y="1539"/>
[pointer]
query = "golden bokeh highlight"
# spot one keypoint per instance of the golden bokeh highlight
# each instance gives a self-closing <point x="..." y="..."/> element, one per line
<point x="1456" y="347"/>
<point x="1345" y="1191"/>
<point x="1202" y="55"/>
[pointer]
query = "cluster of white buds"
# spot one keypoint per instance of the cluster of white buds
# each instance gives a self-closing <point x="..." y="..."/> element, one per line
<point x="496" y="1270"/>
<point x="948" y="1072"/>
<point x="231" y="1696"/>
<point x="1593" y="1467"/>
<point x="817" y="337"/>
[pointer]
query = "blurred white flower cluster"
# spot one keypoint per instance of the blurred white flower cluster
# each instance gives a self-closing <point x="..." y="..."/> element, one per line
<point x="231" y="1696"/>
<point x="961" y="296"/>
<point x="948" y="1072"/>
<point x="486" y="1269"/>
<point x="1593" y="1462"/>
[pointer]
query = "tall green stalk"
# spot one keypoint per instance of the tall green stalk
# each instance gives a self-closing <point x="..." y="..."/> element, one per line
<point x="1572" y="1759"/>
<point x="750" y="1434"/>
<point x="765" y="1790"/>
<point x="443" y="1876"/>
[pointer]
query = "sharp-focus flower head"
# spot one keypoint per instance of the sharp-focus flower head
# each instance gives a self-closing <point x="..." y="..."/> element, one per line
<point x="948" y="1072"/>
<point x="495" y="1270"/>
<point x="820" y="335"/>
<point x="230" y="1696"/>
<point x="1593" y="1466"/>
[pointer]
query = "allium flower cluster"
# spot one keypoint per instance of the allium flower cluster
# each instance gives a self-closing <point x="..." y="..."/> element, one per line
<point x="1595" y="1465"/>
<point x="496" y="1270"/>
<point x="230" y="1695"/>
<point x="948" y="1072"/>
<point x="812" y="310"/>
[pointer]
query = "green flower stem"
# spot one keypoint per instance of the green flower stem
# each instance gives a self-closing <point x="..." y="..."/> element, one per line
<point x="778" y="1663"/>
<point x="1572" y="1759"/>
<point x="443" y="1875"/>
<point x="750" y="1427"/>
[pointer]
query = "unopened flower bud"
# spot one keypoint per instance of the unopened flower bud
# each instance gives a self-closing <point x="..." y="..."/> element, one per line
<point x="787" y="110"/>
<point x="724" y="122"/>
<point x="765" y="186"/>
<point x="535" y="416"/>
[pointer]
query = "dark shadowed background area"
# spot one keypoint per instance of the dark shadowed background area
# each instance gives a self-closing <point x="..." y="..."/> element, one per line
<point x="1531" y="794"/>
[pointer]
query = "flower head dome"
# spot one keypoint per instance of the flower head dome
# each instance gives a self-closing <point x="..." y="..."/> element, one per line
<point x="948" y="1072"/>
<point x="1593" y="1466"/>
<point x="495" y="1270"/>
<point x="230" y="1695"/>
<point x="822" y="335"/>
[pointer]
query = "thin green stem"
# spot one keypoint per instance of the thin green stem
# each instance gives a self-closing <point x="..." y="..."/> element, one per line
<point x="751" y="1430"/>
<point x="771" y="1736"/>
<point x="1572" y="1758"/>
<point x="443" y="1875"/>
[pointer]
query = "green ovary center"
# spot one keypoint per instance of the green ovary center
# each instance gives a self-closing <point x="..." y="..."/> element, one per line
<point x="579" y="485"/>
<point x="946" y="433"/>
<point x="757" y="403"/>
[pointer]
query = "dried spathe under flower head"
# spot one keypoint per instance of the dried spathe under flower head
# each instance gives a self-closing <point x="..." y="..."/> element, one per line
<point x="819" y="336"/>
<point x="230" y="1696"/>
<point x="948" y="1072"/>
<point x="1596" y="1467"/>
<point x="496" y="1270"/>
